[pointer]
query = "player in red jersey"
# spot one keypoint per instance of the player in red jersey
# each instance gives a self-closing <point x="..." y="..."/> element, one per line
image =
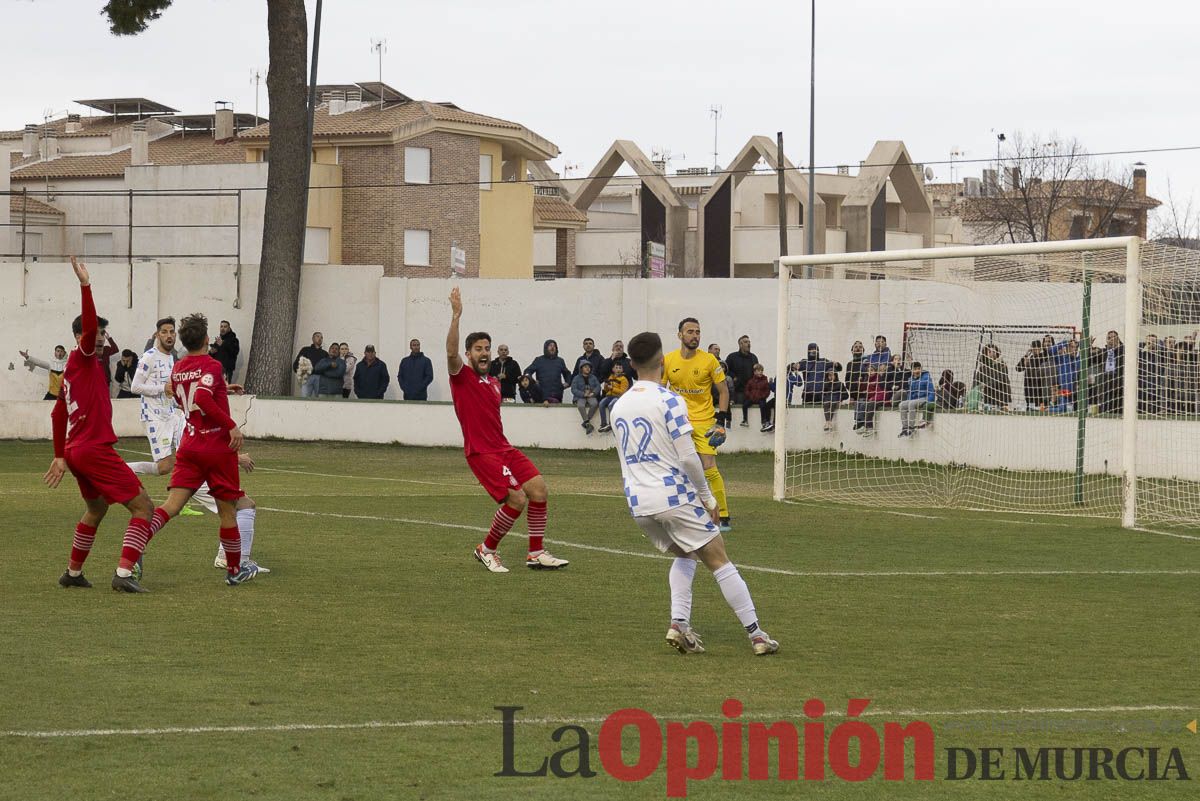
<point x="507" y="475"/>
<point x="210" y="445"/>
<point x="83" y="440"/>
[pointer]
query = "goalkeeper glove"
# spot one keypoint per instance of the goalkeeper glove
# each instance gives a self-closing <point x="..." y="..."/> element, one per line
<point x="724" y="419"/>
<point x="716" y="436"/>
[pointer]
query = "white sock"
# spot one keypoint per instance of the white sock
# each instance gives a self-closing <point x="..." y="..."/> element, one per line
<point x="737" y="595"/>
<point x="144" y="468"/>
<point x="680" y="577"/>
<point x="245" y="524"/>
<point x="203" y="497"/>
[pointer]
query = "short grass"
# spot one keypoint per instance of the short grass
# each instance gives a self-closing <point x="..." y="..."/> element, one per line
<point x="376" y="612"/>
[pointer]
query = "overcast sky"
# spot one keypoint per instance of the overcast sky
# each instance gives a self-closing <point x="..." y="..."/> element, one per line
<point x="938" y="74"/>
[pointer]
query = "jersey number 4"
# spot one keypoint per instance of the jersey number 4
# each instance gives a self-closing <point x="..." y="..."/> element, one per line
<point x="642" y="429"/>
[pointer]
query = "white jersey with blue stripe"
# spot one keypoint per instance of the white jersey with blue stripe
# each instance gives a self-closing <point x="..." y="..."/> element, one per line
<point x="150" y="382"/>
<point x="646" y="422"/>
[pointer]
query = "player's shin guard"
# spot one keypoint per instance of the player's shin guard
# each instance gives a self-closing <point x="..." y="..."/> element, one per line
<point x="81" y="546"/>
<point x="535" y="518"/>
<point x="502" y="523"/>
<point x="245" y="524"/>
<point x="231" y="541"/>
<point x="737" y="595"/>
<point x="717" y="485"/>
<point x="137" y="536"/>
<point x="680" y="578"/>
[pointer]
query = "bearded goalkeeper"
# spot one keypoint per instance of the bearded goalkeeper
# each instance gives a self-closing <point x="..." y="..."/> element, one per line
<point x="692" y="374"/>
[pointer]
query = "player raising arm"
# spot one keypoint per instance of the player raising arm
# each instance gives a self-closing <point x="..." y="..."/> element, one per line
<point x="508" y="476"/>
<point x="693" y="374"/>
<point x="83" y="440"/>
<point x="670" y="499"/>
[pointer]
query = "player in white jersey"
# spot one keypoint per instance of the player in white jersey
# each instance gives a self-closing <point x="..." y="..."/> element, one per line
<point x="669" y="497"/>
<point x="162" y="419"/>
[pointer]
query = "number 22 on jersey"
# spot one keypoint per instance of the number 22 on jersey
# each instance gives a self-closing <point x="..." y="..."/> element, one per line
<point x="641" y="428"/>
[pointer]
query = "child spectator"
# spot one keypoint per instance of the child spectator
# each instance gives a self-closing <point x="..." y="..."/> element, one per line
<point x="921" y="393"/>
<point x="895" y="379"/>
<point x="614" y="387"/>
<point x="585" y="390"/>
<point x="950" y="393"/>
<point x="875" y="396"/>
<point x="529" y="390"/>
<point x="126" y="367"/>
<point x="833" y="392"/>
<point x="756" y="391"/>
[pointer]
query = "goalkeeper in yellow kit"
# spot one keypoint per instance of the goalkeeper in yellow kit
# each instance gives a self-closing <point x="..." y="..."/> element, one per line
<point x="692" y="374"/>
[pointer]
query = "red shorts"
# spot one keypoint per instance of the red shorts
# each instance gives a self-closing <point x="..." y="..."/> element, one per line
<point x="502" y="471"/>
<point x="102" y="474"/>
<point x="218" y="468"/>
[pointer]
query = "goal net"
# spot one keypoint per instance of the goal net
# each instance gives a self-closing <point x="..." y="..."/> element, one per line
<point x="1058" y="378"/>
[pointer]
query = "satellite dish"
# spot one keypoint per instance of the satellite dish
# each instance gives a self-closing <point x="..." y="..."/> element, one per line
<point x="929" y="173"/>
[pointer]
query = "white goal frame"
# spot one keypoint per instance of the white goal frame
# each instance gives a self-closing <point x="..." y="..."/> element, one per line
<point x="1133" y="315"/>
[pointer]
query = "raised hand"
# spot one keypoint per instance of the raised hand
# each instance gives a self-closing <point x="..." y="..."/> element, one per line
<point x="80" y="271"/>
<point x="456" y="302"/>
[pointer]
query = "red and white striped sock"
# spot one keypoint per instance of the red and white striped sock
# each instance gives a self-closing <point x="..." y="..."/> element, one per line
<point x="231" y="541"/>
<point x="137" y="536"/>
<point x="536" y="520"/>
<point x="159" y="519"/>
<point x="81" y="546"/>
<point x="502" y="523"/>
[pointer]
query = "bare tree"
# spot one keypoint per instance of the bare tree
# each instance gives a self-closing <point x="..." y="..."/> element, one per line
<point x="1177" y="222"/>
<point x="287" y="177"/>
<point x="1051" y="189"/>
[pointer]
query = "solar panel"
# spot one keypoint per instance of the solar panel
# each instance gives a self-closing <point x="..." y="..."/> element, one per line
<point x="127" y="105"/>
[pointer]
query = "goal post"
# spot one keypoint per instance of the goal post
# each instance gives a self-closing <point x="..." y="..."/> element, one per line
<point x="1057" y="431"/>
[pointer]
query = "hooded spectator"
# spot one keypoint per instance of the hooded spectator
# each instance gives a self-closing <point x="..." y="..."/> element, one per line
<point x="507" y="371"/>
<point x="415" y="373"/>
<point x="813" y="371"/>
<point x="371" y="377"/>
<point x="550" y="372"/>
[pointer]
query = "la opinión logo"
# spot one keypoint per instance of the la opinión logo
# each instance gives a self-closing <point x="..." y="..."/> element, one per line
<point x="734" y="750"/>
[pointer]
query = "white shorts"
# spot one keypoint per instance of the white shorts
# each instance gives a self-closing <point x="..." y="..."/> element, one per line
<point x="688" y="527"/>
<point x="164" y="435"/>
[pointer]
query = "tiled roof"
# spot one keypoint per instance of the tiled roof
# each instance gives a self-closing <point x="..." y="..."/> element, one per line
<point x="371" y="120"/>
<point x="550" y="209"/>
<point x="17" y="206"/>
<point x="89" y="126"/>
<point x="175" y="149"/>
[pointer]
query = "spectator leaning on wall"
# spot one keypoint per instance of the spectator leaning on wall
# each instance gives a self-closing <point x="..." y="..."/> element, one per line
<point x="314" y="353"/>
<point x="329" y="373"/>
<point x="415" y="373"/>
<point x="740" y="368"/>
<point x="550" y="372"/>
<point x="756" y="392"/>
<point x="505" y="369"/>
<point x="371" y="377"/>
<point x="921" y="393"/>
<point x="53" y="366"/>
<point x="585" y="391"/>
<point x="613" y="387"/>
<point x="529" y="390"/>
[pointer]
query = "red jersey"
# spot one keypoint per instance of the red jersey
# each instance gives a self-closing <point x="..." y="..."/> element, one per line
<point x="477" y="404"/>
<point x="84" y="395"/>
<point x="201" y="392"/>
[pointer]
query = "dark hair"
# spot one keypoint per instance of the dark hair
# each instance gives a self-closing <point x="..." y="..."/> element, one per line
<point x="77" y="324"/>
<point x="128" y="352"/>
<point x="916" y="366"/>
<point x="227" y="323"/>
<point x="56" y="347"/>
<point x="163" y="322"/>
<point x="475" y="336"/>
<point x="644" y="347"/>
<point x="192" y="331"/>
<point x="687" y="320"/>
<point x="369" y="349"/>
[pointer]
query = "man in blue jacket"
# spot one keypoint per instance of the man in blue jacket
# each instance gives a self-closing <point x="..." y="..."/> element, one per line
<point x="550" y="372"/>
<point x="371" y="377"/>
<point x="330" y="372"/>
<point x="415" y="374"/>
<point x="921" y="393"/>
<point x="1066" y="362"/>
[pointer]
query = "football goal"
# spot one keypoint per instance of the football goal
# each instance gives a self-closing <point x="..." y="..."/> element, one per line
<point x="1052" y="377"/>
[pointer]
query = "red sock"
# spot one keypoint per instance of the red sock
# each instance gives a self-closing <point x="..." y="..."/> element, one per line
<point x="159" y="519"/>
<point x="81" y="546"/>
<point x="502" y="522"/>
<point x="136" y="537"/>
<point x="536" y="519"/>
<point x="231" y="541"/>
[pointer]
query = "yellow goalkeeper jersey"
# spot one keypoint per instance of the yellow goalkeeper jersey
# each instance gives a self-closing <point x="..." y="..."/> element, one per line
<point x="694" y="379"/>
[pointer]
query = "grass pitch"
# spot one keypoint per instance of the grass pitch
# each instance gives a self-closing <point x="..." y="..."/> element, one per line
<point x="376" y="613"/>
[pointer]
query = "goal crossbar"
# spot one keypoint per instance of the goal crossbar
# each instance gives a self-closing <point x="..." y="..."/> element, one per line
<point x="1132" y="318"/>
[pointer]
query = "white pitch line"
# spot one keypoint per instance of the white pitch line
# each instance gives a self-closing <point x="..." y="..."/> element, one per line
<point x="543" y="721"/>
<point x="758" y="568"/>
<point x="1167" y="534"/>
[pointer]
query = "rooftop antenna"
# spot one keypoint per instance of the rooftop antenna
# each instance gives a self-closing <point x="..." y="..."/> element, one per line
<point x="380" y="47"/>
<point x="955" y="151"/>
<point x="715" y="111"/>
<point x="256" y="78"/>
